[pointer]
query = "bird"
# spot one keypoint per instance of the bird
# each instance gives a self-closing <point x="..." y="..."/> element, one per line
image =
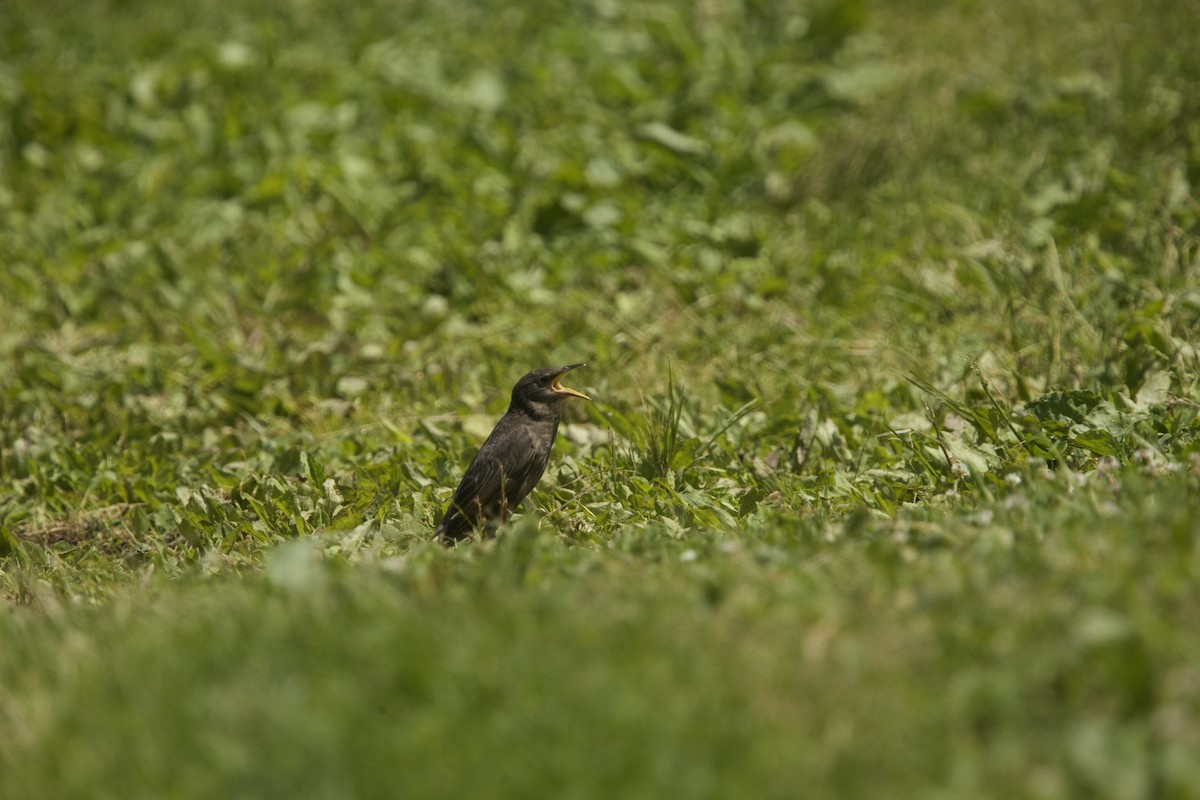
<point x="512" y="460"/>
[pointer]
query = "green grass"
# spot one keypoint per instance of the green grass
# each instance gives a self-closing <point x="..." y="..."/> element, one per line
<point x="891" y="320"/>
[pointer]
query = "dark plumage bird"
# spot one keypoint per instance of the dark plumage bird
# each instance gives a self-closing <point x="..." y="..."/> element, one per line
<point x="513" y="458"/>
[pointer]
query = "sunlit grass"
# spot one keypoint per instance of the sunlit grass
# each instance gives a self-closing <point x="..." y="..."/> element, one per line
<point x="890" y="319"/>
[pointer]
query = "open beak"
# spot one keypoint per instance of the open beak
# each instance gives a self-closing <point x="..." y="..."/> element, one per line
<point x="558" y="387"/>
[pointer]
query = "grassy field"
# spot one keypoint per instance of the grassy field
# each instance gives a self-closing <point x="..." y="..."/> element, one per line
<point x="889" y="484"/>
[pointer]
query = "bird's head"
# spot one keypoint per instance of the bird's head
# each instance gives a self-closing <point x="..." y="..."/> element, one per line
<point x="544" y="386"/>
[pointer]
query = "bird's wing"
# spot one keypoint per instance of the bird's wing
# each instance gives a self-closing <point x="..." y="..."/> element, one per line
<point x="506" y="469"/>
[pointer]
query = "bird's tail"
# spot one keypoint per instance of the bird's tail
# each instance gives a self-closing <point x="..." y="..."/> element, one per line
<point x="446" y="532"/>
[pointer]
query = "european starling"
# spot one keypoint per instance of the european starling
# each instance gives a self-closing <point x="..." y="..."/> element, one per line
<point x="513" y="458"/>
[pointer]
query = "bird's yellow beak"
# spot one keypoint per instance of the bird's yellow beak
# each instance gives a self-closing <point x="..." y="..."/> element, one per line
<point x="558" y="387"/>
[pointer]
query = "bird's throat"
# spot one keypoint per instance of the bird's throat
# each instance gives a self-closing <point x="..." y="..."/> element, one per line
<point x="542" y="412"/>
